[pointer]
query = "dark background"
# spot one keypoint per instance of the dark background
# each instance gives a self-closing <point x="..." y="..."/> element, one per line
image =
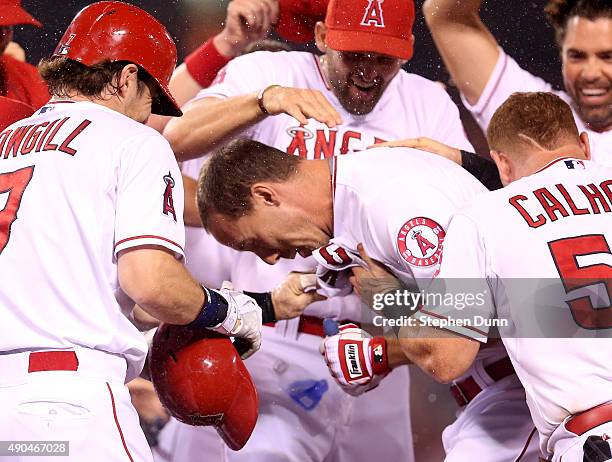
<point x="520" y="28"/>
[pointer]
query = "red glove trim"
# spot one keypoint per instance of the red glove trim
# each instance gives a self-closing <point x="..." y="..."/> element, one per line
<point x="205" y="62"/>
<point x="378" y="356"/>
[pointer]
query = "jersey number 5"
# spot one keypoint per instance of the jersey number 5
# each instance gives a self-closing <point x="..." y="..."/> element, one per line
<point x="13" y="183"/>
<point x="565" y="253"/>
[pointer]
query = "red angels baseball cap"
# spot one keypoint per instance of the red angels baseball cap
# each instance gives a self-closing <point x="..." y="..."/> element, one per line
<point x="11" y="13"/>
<point x="377" y="26"/>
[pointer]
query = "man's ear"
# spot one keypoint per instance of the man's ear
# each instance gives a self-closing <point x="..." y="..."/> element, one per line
<point x="504" y="167"/>
<point x="586" y="145"/>
<point x="128" y="77"/>
<point x="320" y="36"/>
<point x="264" y="194"/>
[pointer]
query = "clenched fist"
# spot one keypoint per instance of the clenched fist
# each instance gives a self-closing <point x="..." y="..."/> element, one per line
<point x="356" y="360"/>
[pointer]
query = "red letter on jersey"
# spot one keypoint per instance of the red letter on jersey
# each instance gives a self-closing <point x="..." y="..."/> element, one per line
<point x="550" y="203"/>
<point x="514" y="202"/>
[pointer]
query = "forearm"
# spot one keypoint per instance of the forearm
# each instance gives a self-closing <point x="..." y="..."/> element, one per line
<point x="198" y="71"/>
<point x="451" y="10"/>
<point x="209" y="122"/>
<point x="441" y="354"/>
<point x="160" y="285"/>
<point x="395" y="354"/>
<point x="465" y="44"/>
<point x="184" y="88"/>
<point x="191" y="215"/>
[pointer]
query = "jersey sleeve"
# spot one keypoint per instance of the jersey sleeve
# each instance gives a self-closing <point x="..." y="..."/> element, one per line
<point x="262" y="69"/>
<point x="507" y="77"/>
<point x="150" y="198"/>
<point x="407" y="235"/>
<point x="448" y="128"/>
<point x="459" y="298"/>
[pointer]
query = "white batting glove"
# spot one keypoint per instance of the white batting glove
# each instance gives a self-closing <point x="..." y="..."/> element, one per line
<point x="243" y="319"/>
<point x="356" y="360"/>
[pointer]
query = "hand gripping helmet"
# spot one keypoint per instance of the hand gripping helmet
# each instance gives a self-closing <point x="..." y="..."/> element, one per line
<point x="121" y="32"/>
<point x="201" y="380"/>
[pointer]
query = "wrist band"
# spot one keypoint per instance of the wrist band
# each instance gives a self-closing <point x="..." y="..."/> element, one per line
<point x="264" y="300"/>
<point x="380" y="364"/>
<point x="205" y="62"/>
<point x="260" y="98"/>
<point x="213" y="312"/>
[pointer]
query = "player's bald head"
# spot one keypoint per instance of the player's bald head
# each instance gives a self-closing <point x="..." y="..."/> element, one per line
<point x="226" y="179"/>
<point x="529" y="122"/>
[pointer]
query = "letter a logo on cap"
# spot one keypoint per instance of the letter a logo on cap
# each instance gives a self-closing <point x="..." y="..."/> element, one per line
<point x="373" y="15"/>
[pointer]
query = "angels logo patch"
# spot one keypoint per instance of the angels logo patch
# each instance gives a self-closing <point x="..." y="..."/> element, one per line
<point x="419" y="241"/>
<point x="168" y="206"/>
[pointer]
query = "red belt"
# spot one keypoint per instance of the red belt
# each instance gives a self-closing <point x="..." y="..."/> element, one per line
<point x="53" y="361"/>
<point x="589" y="419"/>
<point x="467" y="389"/>
<point x="311" y="325"/>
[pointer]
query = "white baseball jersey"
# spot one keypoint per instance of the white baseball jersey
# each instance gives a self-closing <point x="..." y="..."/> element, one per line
<point x="410" y="106"/>
<point x="553" y="230"/>
<point x="507" y="78"/>
<point x="79" y="183"/>
<point x="390" y="200"/>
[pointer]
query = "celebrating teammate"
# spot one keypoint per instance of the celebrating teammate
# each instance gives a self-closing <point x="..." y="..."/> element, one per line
<point x="486" y="75"/>
<point x="556" y="208"/>
<point x="94" y="205"/>
<point x="358" y="86"/>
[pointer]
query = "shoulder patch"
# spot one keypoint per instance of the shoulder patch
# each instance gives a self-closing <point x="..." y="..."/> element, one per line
<point x="419" y="241"/>
<point x="168" y="201"/>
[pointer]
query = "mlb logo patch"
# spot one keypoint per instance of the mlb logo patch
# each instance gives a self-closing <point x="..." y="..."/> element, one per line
<point x="573" y="164"/>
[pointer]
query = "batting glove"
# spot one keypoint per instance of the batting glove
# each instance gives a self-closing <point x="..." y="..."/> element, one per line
<point x="356" y="360"/>
<point x="243" y="319"/>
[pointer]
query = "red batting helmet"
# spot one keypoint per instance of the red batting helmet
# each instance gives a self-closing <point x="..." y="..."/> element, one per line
<point x="121" y="32"/>
<point x="201" y="380"/>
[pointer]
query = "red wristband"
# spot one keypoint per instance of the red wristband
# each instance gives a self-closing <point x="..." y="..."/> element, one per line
<point x="378" y="352"/>
<point x="205" y="62"/>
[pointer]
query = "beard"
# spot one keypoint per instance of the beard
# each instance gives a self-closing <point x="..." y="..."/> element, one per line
<point x="595" y="111"/>
<point x="599" y="118"/>
<point x="358" y="99"/>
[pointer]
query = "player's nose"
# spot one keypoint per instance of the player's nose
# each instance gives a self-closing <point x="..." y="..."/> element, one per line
<point x="366" y="72"/>
<point x="592" y="69"/>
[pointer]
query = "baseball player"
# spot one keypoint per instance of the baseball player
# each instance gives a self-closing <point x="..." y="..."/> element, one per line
<point x="20" y="80"/>
<point x="93" y="202"/>
<point x="486" y="75"/>
<point x="361" y="83"/>
<point x="306" y="219"/>
<point x="551" y="227"/>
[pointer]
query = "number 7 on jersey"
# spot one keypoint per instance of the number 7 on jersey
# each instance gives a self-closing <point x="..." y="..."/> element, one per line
<point x="13" y="184"/>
